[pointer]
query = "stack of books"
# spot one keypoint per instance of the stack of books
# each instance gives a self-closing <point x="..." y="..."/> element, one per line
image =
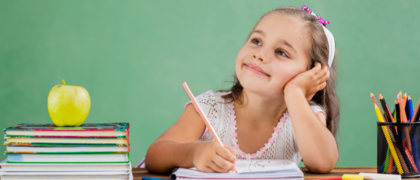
<point x="45" y="151"/>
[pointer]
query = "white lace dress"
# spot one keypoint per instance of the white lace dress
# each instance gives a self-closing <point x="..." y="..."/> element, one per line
<point x="220" y="113"/>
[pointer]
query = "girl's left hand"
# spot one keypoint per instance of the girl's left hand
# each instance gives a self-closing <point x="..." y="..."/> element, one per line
<point x="310" y="81"/>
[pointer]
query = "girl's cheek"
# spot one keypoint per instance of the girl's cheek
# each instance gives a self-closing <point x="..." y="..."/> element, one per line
<point x="285" y="75"/>
<point x="240" y="59"/>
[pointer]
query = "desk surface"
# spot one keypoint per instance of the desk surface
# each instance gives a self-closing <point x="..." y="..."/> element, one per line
<point x="336" y="172"/>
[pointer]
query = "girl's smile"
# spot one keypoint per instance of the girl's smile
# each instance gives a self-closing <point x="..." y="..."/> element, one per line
<point x="257" y="70"/>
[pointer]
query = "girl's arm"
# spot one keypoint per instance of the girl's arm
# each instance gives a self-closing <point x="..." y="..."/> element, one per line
<point x="316" y="143"/>
<point x="178" y="147"/>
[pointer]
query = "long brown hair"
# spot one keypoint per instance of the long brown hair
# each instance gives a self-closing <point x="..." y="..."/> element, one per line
<point x="318" y="52"/>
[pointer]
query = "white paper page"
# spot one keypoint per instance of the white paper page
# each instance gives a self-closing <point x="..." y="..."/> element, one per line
<point x="252" y="169"/>
<point x="259" y="166"/>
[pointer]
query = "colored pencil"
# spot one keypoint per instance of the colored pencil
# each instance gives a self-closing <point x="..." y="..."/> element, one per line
<point x="410" y="158"/>
<point x="388" y="139"/>
<point x="416" y="112"/>
<point x="200" y="111"/>
<point x="403" y="116"/>
<point x="390" y="115"/>
<point x="390" y="166"/>
<point x="403" y="160"/>
<point x="410" y="113"/>
<point x="410" y="108"/>
<point x="406" y="133"/>
<point x="383" y="103"/>
<point x="386" y="163"/>
<point x="383" y="168"/>
<point x="397" y="111"/>
<point x="334" y="178"/>
<point x="372" y="96"/>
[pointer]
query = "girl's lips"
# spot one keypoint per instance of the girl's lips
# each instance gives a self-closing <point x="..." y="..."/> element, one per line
<point x="255" y="69"/>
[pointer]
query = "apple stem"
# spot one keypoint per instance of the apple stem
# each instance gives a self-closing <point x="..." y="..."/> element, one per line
<point x="64" y="82"/>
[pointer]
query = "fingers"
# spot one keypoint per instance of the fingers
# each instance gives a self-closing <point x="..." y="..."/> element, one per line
<point x="321" y="77"/>
<point x="325" y="77"/>
<point x="323" y="74"/>
<point x="226" y="157"/>
<point x="233" y="151"/>
<point x="226" y="154"/>
<point x="221" y="165"/>
<point x="322" y="85"/>
<point x="317" y="67"/>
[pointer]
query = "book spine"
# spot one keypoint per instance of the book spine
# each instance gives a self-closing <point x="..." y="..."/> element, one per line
<point x="127" y="136"/>
<point x="73" y="137"/>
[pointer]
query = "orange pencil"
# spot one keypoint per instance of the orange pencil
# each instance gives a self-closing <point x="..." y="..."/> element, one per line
<point x="390" y="166"/>
<point x="405" y="99"/>
<point x="403" y="116"/>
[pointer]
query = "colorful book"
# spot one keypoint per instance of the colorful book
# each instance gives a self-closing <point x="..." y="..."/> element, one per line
<point x="56" y="144"/>
<point x="65" y="149"/>
<point x="122" y="141"/>
<point x="65" y="167"/>
<point x="110" y="130"/>
<point x="69" y="158"/>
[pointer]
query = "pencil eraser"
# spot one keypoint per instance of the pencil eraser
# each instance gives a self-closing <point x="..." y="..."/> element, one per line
<point x="376" y="176"/>
<point x="352" y="177"/>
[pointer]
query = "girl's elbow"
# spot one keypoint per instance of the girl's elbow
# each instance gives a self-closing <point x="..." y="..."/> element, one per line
<point x="322" y="166"/>
<point x="321" y="169"/>
<point x="151" y="160"/>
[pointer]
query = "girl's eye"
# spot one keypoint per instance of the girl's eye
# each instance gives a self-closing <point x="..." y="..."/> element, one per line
<point x="256" y="41"/>
<point x="281" y="53"/>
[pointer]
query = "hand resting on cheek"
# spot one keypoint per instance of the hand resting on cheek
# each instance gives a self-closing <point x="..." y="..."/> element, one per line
<point x="310" y="81"/>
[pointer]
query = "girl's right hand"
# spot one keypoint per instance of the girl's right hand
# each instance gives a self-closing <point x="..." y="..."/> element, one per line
<point x="210" y="156"/>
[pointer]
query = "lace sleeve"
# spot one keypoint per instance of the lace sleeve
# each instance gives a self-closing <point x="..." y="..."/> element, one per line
<point x="207" y="103"/>
<point x="317" y="109"/>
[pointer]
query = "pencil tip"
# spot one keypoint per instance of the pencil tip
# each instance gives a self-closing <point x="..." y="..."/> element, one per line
<point x="380" y="96"/>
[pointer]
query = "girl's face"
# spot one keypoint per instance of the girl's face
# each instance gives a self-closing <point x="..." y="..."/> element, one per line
<point x="275" y="52"/>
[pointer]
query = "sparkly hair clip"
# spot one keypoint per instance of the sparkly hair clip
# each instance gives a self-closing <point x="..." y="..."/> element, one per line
<point x="330" y="37"/>
<point x="322" y="21"/>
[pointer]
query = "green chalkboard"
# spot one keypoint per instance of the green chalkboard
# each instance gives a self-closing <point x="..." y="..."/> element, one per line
<point x="133" y="55"/>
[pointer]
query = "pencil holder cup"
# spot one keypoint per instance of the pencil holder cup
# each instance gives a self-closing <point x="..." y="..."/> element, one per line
<point x="398" y="148"/>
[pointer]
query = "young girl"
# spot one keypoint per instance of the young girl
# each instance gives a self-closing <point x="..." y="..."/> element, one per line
<point x="283" y="104"/>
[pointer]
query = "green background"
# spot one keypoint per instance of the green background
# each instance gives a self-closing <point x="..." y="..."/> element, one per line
<point x="133" y="55"/>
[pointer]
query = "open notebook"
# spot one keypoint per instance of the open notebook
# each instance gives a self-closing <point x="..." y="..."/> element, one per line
<point x="248" y="169"/>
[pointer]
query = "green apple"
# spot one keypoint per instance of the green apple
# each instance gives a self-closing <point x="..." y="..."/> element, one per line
<point x="68" y="105"/>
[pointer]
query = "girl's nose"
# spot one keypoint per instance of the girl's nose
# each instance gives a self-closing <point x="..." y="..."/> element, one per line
<point x="259" y="58"/>
<point x="260" y="55"/>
